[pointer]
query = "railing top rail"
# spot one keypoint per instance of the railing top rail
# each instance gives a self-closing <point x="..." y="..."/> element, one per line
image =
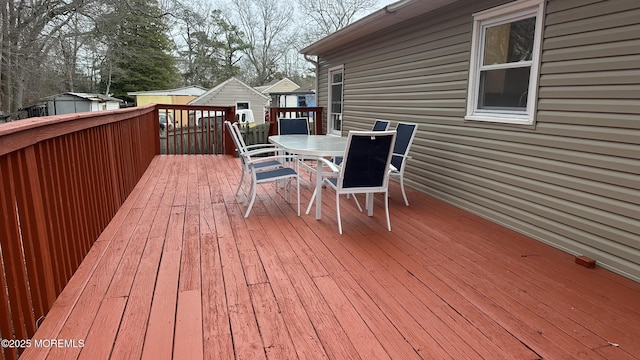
<point x="23" y="133"/>
<point x="194" y="107"/>
<point x="298" y="109"/>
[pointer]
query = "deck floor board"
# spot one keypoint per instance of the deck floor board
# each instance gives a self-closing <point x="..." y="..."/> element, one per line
<point x="180" y="273"/>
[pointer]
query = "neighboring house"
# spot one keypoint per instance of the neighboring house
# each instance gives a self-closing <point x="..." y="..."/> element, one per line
<point x="179" y="96"/>
<point x="298" y="98"/>
<point x="234" y="92"/>
<point x="293" y="99"/>
<point x="275" y="86"/>
<point x="71" y="102"/>
<point x="528" y="111"/>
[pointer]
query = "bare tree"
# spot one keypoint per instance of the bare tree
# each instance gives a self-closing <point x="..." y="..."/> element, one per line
<point x="266" y="25"/>
<point x="208" y="47"/>
<point x="329" y="16"/>
<point x="28" y="30"/>
<point x="49" y="46"/>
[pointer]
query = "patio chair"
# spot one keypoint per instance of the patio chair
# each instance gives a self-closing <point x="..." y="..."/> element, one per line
<point x="273" y="175"/>
<point x="378" y="125"/>
<point x="246" y="152"/>
<point x="262" y="169"/>
<point x="297" y="126"/>
<point x="404" y="138"/>
<point x="364" y="169"/>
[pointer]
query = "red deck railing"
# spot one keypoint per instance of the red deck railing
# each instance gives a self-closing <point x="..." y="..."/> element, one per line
<point x="188" y="129"/>
<point x="62" y="180"/>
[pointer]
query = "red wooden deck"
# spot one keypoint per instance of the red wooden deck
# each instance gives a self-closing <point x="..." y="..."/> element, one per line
<point x="179" y="273"/>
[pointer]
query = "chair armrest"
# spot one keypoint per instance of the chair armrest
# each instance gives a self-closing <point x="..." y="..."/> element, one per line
<point x="252" y="162"/>
<point x="259" y="146"/>
<point x="402" y="155"/>
<point x="393" y="168"/>
<point x="261" y="151"/>
<point x="330" y="164"/>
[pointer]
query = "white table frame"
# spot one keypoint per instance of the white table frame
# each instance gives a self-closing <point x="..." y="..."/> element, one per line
<point x="314" y="146"/>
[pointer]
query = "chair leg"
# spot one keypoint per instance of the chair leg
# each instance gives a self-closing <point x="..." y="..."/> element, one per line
<point x="386" y="208"/>
<point x="253" y="198"/>
<point x="357" y="202"/>
<point x="298" y="184"/>
<point x="241" y="181"/>
<point x="313" y="197"/>
<point x="338" y="212"/>
<point x="404" y="194"/>
<point x="245" y="190"/>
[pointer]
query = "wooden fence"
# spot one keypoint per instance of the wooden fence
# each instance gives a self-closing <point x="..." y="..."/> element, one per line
<point x="62" y="180"/>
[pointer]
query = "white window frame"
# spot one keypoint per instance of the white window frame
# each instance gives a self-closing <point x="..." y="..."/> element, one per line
<point x="330" y="124"/>
<point x="499" y="15"/>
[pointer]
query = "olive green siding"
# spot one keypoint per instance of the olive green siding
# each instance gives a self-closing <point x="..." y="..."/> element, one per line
<point x="573" y="179"/>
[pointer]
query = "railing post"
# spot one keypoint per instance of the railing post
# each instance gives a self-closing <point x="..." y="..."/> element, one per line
<point x="35" y="233"/>
<point x="20" y="321"/>
<point x="318" y="120"/>
<point x="229" y="148"/>
<point x="273" y="118"/>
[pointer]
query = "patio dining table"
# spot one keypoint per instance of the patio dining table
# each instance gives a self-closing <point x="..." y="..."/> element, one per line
<point x="315" y="146"/>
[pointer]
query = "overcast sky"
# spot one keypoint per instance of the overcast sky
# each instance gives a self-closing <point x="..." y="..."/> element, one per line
<point x="382" y="3"/>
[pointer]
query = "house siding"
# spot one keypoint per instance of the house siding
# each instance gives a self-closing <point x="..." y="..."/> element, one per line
<point x="573" y="179"/>
<point x="232" y="92"/>
<point x="284" y="85"/>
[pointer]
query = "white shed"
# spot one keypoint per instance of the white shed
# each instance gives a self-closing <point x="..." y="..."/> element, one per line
<point x="234" y="92"/>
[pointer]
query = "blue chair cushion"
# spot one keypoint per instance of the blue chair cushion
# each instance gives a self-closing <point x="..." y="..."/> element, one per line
<point x="275" y="173"/>
<point x="267" y="164"/>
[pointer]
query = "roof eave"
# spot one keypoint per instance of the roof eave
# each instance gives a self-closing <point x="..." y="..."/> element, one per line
<point x="386" y="17"/>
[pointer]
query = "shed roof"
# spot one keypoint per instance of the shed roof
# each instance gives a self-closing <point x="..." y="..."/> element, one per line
<point x="220" y="87"/>
<point x="86" y="96"/>
<point x="386" y="17"/>
<point x="285" y="83"/>
<point x="193" y="90"/>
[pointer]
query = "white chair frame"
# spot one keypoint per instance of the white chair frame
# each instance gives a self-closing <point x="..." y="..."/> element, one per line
<point x="246" y="152"/>
<point x="337" y="182"/>
<point x="403" y="154"/>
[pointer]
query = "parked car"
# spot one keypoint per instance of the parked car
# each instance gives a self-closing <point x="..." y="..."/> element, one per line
<point x="166" y="121"/>
<point x="198" y="118"/>
<point x="244" y="116"/>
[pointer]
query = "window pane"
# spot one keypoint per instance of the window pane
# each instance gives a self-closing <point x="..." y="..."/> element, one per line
<point x="511" y="42"/>
<point x="336" y="98"/>
<point x="504" y="89"/>
<point x="337" y="78"/>
<point x="336" y="119"/>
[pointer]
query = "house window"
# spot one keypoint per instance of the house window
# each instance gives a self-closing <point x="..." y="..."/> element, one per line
<point x="504" y="66"/>
<point x="242" y="105"/>
<point x="336" y="81"/>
